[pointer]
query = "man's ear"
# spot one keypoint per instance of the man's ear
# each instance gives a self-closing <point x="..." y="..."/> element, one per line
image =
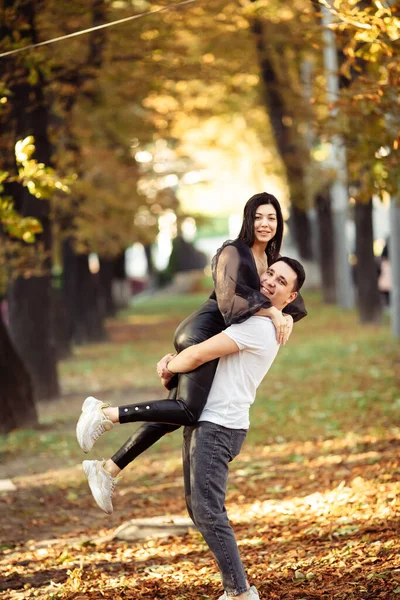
<point x="292" y="296"/>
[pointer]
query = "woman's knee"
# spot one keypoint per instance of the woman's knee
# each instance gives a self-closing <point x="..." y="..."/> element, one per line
<point x="191" y="331"/>
<point x="192" y="417"/>
<point x="193" y="392"/>
<point x="184" y="339"/>
<point x="158" y="428"/>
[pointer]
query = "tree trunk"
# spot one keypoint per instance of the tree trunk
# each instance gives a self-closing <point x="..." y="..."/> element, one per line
<point x="17" y="398"/>
<point x="60" y="325"/>
<point x="394" y="257"/>
<point x="326" y="246"/>
<point x="339" y="191"/>
<point x="81" y="291"/>
<point x="30" y="330"/>
<point x="151" y="271"/>
<point x="106" y="276"/>
<point x="30" y="299"/>
<point x="368" y="298"/>
<point x="301" y="227"/>
<point x="119" y="267"/>
<point x="30" y="305"/>
<point x="149" y="259"/>
<point x="282" y="114"/>
<point x="121" y="290"/>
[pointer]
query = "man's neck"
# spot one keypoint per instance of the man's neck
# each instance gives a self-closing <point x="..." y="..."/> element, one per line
<point x="277" y="306"/>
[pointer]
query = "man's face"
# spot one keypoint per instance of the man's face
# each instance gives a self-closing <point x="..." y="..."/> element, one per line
<point x="277" y="284"/>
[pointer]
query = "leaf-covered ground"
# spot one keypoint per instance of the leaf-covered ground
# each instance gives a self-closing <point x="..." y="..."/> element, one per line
<point x="314" y="496"/>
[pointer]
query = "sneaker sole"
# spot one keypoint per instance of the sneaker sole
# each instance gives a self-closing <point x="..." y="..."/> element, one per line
<point x="86" y="469"/>
<point x="86" y="404"/>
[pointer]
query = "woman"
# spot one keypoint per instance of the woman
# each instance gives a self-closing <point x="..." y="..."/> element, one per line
<point x="236" y="270"/>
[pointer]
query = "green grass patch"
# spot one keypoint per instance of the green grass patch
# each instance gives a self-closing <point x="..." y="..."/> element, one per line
<point x="167" y="305"/>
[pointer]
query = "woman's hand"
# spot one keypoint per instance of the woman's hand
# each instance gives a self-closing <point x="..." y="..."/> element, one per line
<point x="280" y="322"/>
<point x="281" y="325"/>
<point x="290" y="322"/>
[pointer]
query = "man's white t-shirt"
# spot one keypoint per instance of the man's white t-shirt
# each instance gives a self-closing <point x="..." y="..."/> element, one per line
<point x="239" y="374"/>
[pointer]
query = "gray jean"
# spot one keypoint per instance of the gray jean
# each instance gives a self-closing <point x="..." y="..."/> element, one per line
<point x="207" y="451"/>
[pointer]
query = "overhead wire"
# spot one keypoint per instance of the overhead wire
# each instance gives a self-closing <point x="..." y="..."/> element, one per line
<point x="97" y="27"/>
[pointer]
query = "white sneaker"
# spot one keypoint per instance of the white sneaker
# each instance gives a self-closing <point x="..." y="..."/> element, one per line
<point x="92" y="423"/>
<point x="252" y="594"/>
<point x="101" y="483"/>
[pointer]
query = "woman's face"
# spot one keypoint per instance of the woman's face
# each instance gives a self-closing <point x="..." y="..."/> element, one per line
<point x="265" y="223"/>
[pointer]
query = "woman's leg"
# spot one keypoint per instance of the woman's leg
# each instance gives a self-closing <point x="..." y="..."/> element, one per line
<point x="189" y="396"/>
<point x="192" y="388"/>
<point x="185" y="409"/>
<point x="186" y="405"/>
<point x="103" y="475"/>
<point x="144" y="437"/>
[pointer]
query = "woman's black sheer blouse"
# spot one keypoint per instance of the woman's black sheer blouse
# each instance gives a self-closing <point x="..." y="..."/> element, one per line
<point x="237" y="285"/>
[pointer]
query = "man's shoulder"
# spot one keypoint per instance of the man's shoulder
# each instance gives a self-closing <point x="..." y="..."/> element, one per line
<point x="255" y="332"/>
<point x="262" y="327"/>
<point x="255" y="322"/>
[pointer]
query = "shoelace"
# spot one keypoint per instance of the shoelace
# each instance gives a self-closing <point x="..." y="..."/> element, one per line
<point x="113" y="484"/>
<point x="98" y="431"/>
<point x="114" y="480"/>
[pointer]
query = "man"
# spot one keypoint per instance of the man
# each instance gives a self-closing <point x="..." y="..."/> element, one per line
<point x="246" y="352"/>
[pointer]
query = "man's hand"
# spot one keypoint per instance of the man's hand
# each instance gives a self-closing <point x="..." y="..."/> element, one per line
<point x="162" y="368"/>
<point x="165" y="381"/>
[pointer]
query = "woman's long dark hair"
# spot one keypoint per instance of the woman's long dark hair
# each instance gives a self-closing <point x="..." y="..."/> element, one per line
<point x="246" y="234"/>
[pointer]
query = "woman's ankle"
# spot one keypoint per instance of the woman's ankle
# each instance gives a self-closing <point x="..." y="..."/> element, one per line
<point x="112" y="413"/>
<point x="111" y="468"/>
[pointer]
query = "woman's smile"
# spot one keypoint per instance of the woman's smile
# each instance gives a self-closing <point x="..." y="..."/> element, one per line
<point x="265" y="223"/>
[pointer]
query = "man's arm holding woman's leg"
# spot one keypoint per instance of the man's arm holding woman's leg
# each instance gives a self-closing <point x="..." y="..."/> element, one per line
<point x="195" y="356"/>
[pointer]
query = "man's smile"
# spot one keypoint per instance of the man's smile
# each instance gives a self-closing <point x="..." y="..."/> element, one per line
<point x="267" y="290"/>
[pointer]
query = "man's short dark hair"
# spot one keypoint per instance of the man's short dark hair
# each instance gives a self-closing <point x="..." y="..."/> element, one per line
<point x="297" y="268"/>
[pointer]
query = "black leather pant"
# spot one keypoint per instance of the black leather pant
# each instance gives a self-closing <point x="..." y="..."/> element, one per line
<point x="185" y="401"/>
